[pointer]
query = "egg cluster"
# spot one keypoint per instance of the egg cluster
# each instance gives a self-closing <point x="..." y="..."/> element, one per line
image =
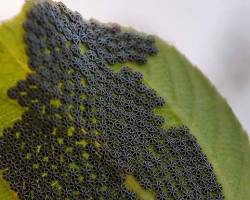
<point x="86" y="127"/>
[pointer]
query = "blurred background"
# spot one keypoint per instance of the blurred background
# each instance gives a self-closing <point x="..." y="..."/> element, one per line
<point x="214" y="35"/>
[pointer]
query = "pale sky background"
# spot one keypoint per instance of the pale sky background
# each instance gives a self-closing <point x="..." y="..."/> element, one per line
<point x="212" y="34"/>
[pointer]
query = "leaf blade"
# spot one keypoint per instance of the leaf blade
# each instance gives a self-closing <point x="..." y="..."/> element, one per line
<point x="198" y="104"/>
<point x="14" y="66"/>
<point x="191" y="99"/>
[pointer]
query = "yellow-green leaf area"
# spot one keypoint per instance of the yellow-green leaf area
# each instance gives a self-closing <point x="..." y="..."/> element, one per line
<point x="14" y="65"/>
<point x="190" y="97"/>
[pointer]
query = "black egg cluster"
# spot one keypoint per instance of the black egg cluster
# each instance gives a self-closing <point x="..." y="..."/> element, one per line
<point x="86" y="127"/>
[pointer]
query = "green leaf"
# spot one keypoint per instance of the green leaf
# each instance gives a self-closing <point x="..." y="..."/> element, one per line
<point x="191" y="100"/>
<point x="196" y="102"/>
<point x="13" y="62"/>
<point x="14" y="65"/>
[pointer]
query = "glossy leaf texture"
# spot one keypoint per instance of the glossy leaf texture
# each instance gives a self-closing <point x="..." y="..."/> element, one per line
<point x="190" y="97"/>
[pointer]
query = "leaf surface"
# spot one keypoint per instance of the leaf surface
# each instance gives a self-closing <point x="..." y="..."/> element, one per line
<point x="197" y="104"/>
<point x="191" y="100"/>
<point x="13" y="62"/>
